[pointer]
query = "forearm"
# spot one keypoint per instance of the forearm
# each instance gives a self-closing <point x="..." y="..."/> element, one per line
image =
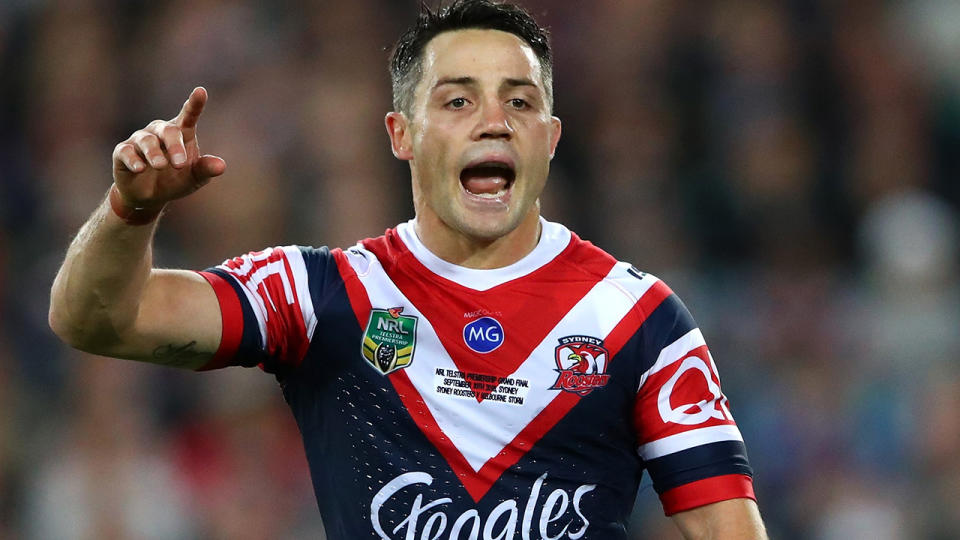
<point x="106" y="299"/>
<point x="96" y="294"/>
<point x="735" y="519"/>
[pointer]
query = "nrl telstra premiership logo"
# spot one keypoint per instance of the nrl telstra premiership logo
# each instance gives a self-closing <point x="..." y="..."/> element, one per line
<point x="389" y="339"/>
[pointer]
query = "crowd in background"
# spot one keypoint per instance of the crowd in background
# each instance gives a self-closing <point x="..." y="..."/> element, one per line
<point x="790" y="168"/>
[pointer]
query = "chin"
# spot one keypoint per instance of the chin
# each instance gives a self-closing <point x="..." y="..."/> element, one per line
<point x="487" y="228"/>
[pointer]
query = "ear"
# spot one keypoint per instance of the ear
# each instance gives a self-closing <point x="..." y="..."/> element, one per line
<point x="554" y="134"/>
<point x="399" y="133"/>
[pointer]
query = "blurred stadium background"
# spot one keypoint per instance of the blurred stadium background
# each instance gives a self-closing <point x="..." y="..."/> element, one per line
<point x="791" y="168"/>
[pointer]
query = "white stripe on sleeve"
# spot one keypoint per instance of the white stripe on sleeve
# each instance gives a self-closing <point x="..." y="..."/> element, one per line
<point x="689" y="439"/>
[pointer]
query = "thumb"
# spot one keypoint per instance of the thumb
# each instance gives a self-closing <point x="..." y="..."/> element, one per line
<point x="208" y="166"/>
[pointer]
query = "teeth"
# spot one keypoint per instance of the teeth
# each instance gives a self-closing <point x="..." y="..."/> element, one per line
<point x="500" y="193"/>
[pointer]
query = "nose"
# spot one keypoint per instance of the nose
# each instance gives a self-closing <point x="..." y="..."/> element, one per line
<point x="493" y="122"/>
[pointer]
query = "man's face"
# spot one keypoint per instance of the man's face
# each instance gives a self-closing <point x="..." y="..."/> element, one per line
<point x="479" y="137"/>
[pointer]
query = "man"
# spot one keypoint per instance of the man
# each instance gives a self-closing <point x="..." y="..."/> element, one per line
<point x="476" y="372"/>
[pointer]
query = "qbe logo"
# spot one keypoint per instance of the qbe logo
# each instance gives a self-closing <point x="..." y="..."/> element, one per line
<point x="483" y="335"/>
<point x="696" y="405"/>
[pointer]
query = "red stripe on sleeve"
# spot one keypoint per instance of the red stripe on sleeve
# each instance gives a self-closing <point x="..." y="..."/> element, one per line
<point x="231" y="317"/>
<point x="707" y="491"/>
<point x="299" y="341"/>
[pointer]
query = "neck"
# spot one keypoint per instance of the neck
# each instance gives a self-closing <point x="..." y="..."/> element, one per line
<point x="479" y="253"/>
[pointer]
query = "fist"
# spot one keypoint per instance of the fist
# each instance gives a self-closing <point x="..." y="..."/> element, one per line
<point x="162" y="161"/>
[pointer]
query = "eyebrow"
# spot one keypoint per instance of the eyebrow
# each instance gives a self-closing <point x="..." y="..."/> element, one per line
<point x="459" y="81"/>
<point x="470" y="81"/>
<point x="520" y="82"/>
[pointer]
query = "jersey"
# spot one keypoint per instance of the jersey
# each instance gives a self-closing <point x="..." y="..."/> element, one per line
<point x="442" y="402"/>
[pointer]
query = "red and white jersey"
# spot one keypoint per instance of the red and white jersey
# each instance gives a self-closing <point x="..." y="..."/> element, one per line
<point x="437" y="401"/>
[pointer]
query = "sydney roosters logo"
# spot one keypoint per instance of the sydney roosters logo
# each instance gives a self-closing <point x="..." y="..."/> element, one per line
<point x="582" y="365"/>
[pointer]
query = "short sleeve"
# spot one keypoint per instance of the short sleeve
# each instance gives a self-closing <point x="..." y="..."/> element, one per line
<point x="688" y="439"/>
<point x="266" y="307"/>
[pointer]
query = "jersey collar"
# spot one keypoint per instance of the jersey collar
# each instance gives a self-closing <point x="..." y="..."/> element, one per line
<point x="554" y="238"/>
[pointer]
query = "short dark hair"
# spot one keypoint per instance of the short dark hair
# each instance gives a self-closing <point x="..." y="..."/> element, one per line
<point x="406" y="58"/>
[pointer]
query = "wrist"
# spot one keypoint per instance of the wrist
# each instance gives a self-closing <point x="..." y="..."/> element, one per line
<point x="132" y="215"/>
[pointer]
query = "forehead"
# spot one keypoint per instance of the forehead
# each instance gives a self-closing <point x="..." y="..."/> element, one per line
<point x="480" y="54"/>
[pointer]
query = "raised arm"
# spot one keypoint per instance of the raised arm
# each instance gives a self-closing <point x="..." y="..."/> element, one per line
<point x="107" y="299"/>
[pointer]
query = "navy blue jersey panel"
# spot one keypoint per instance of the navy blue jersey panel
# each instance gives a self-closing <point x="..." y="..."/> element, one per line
<point x="667" y="323"/>
<point x="567" y="456"/>
<point x="325" y="281"/>
<point x="355" y="431"/>
<point x="336" y="339"/>
<point x="709" y="460"/>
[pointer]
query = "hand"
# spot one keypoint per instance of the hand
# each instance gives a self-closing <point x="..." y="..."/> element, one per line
<point x="162" y="162"/>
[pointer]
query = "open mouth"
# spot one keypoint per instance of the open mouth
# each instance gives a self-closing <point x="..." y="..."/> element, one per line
<point x="488" y="179"/>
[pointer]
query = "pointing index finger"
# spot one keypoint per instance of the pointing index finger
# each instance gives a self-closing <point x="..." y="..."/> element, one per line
<point x="190" y="113"/>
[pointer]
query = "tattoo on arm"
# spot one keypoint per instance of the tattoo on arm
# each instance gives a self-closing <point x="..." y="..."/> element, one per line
<point x="177" y="356"/>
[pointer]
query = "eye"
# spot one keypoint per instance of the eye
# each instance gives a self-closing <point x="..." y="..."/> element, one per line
<point x="518" y="103"/>
<point x="457" y="103"/>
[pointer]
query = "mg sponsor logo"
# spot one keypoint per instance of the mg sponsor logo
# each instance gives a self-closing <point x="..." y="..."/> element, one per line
<point x="483" y="335"/>
<point x="556" y="516"/>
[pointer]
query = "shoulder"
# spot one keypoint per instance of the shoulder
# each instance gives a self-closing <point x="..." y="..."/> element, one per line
<point x="658" y="315"/>
<point x="259" y="259"/>
<point x="282" y="272"/>
<point x="290" y="262"/>
<point x="621" y="276"/>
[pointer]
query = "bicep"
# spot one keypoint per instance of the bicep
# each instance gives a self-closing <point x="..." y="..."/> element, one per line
<point x="178" y="321"/>
<point x="734" y="519"/>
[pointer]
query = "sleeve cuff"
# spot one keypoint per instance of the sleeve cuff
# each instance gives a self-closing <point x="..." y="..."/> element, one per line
<point x="707" y="491"/>
<point x="231" y="316"/>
